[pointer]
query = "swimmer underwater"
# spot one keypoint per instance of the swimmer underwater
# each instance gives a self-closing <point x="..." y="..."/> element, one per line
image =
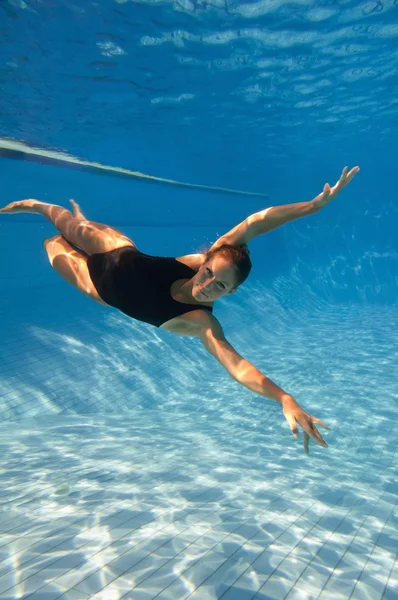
<point x="176" y="294"/>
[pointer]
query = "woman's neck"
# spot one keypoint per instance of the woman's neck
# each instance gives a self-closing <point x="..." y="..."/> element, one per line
<point x="186" y="290"/>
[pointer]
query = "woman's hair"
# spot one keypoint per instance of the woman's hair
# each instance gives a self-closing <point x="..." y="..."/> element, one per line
<point x="238" y="255"/>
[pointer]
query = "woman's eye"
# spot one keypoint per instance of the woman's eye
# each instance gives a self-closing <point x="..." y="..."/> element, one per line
<point x="208" y="271"/>
<point x="221" y="285"/>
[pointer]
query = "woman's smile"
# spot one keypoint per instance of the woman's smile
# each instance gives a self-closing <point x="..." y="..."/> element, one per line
<point x="202" y="293"/>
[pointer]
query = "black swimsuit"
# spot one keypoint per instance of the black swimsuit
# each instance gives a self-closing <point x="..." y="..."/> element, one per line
<point x="139" y="284"/>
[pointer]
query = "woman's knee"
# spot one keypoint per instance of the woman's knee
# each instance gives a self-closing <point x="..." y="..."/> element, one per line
<point x="71" y="264"/>
<point x="51" y="240"/>
<point x="53" y="246"/>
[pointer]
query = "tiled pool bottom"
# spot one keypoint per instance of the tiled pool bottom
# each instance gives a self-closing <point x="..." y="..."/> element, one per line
<point x="173" y="481"/>
<point x="161" y="504"/>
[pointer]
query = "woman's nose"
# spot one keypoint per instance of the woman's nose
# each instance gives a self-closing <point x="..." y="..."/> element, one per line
<point x="208" y="282"/>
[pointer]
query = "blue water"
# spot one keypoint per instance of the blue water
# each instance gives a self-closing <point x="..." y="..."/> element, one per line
<point x="132" y="466"/>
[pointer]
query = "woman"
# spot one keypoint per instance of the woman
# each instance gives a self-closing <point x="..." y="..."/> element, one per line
<point x="176" y="294"/>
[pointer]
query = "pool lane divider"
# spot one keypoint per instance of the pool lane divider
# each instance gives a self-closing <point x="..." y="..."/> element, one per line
<point x="17" y="150"/>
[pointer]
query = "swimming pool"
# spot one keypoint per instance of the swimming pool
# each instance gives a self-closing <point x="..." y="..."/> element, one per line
<point x="132" y="465"/>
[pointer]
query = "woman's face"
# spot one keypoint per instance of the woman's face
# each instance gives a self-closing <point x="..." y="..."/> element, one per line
<point x="216" y="278"/>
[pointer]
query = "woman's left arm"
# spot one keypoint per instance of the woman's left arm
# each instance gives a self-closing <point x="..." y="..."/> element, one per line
<point x="270" y="218"/>
<point x="244" y="372"/>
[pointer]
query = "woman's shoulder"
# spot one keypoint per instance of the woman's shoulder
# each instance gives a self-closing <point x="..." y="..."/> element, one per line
<point x="194" y="261"/>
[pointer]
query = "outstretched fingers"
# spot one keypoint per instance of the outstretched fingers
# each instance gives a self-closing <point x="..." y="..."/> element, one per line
<point x="307" y="424"/>
<point x="342" y="180"/>
<point x="309" y="431"/>
<point x="351" y="174"/>
<point x="306" y="442"/>
<point x="347" y="176"/>
<point x="292" y="424"/>
<point x="296" y="417"/>
<point x="326" y="191"/>
<point x="315" y="420"/>
<point x="313" y="432"/>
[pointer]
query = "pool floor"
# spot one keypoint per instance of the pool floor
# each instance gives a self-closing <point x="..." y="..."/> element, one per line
<point x="182" y="484"/>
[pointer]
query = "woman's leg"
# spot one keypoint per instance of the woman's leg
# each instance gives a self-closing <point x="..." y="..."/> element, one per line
<point x="71" y="264"/>
<point x="89" y="236"/>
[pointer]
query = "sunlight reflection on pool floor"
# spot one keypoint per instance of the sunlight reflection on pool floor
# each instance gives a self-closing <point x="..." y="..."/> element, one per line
<point x="156" y="503"/>
<point x="195" y="487"/>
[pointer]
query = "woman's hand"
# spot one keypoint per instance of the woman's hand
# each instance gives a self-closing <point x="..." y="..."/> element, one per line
<point x="295" y="415"/>
<point x="329" y="193"/>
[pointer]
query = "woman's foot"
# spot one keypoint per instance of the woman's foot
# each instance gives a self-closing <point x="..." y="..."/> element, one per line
<point x="22" y="206"/>
<point x="76" y="211"/>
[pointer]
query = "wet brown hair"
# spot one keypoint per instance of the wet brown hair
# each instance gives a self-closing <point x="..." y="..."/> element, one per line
<point x="238" y="255"/>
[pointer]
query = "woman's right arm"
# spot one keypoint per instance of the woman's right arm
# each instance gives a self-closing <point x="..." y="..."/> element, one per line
<point x="245" y="373"/>
<point x="275" y="216"/>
